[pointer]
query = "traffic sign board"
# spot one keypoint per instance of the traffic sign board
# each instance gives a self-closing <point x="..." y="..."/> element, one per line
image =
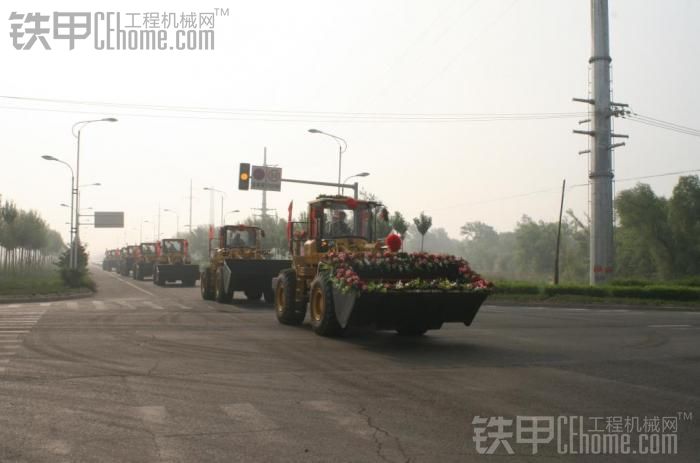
<point x="266" y="178"/>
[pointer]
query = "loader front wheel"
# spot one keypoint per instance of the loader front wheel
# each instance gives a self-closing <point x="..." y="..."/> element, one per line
<point x="322" y="309"/>
<point x="285" y="299"/>
<point x="205" y="286"/>
<point x="222" y="295"/>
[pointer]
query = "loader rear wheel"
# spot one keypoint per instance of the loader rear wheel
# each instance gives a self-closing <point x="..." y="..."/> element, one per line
<point x="322" y="309"/>
<point x="205" y="286"/>
<point x="286" y="309"/>
<point x="222" y="295"/>
<point x="253" y="294"/>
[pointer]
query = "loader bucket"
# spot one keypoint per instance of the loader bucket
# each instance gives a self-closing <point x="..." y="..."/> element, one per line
<point x="183" y="272"/>
<point x="393" y="309"/>
<point x="248" y="274"/>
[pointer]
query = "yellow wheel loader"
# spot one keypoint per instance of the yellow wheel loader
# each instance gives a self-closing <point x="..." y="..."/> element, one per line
<point x="239" y="263"/>
<point x="346" y="276"/>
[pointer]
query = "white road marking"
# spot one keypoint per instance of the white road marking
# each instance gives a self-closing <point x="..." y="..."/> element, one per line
<point x="14" y="331"/>
<point x="670" y="326"/>
<point x="13" y="306"/>
<point x="247" y="414"/>
<point x="72" y="305"/>
<point x="7" y="353"/>
<point x="4" y="360"/>
<point x="10" y="340"/>
<point x="153" y="305"/>
<point x="126" y="304"/>
<point x="155" y="414"/>
<point x="183" y="307"/>
<point x="344" y="417"/>
<point x="45" y="304"/>
<point x="99" y="305"/>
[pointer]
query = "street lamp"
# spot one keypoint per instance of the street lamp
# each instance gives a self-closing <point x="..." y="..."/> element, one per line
<point x="177" y="221"/>
<point x="342" y="147"/>
<point x="72" y="187"/>
<point x="232" y="212"/>
<point x="223" y="195"/>
<point x="80" y="125"/>
<point x="361" y="174"/>
<point x="141" y="230"/>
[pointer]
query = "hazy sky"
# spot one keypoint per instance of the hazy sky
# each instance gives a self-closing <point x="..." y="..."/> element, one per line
<point x="446" y="56"/>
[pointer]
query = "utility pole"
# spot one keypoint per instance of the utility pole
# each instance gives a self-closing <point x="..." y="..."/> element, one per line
<point x="561" y="211"/>
<point x="601" y="166"/>
<point x="190" y="224"/>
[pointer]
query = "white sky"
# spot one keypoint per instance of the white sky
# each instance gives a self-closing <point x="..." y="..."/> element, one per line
<point x="446" y="56"/>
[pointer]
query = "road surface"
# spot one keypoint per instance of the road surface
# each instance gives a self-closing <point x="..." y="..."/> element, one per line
<point x="140" y="373"/>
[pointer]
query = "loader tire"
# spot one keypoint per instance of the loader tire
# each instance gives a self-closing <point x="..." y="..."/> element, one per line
<point x="205" y="286"/>
<point x="322" y="309"/>
<point x="286" y="307"/>
<point x="222" y="295"/>
<point x="157" y="277"/>
<point x="138" y="273"/>
<point x="253" y="294"/>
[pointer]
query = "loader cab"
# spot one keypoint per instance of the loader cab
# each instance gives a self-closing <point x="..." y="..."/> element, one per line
<point x="147" y="249"/>
<point x="173" y="246"/>
<point x="341" y="221"/>
<point x="240" y="236"/>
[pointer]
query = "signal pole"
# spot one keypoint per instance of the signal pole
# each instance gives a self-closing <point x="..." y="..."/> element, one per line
<point x="601" y="166"/>
<point x="190" y="224"/>
<point x="264" y="193"/>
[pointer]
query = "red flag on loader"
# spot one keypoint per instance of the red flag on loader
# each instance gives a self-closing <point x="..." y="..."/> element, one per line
<point x="289" y="220"/>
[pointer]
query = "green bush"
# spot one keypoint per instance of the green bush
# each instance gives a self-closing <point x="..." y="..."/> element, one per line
<point x="78" y="277"/>
<point x="576" y="290"/>
<point x="516" y="287"/>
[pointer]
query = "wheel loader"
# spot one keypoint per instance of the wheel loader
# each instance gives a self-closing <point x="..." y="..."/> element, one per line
<point x="346" y="276"/>
<point x="127" y="255"/>
<point x="144" y="261"/>
<point x="111" y="260"/>
<point x="173" y="263"/>
<point x="239" y="263"/>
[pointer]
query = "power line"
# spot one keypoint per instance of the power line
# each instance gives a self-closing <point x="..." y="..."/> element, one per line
<point x="661" y="124"/>
<point x="194" y="112"/>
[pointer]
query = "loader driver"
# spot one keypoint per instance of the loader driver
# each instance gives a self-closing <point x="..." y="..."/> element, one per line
<point x="338" y="226"/>
<point x="237" y="241"/>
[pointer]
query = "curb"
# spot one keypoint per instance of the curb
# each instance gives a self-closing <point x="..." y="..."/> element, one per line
<point x="593" y="306"/>
<point x="45" y="297"/>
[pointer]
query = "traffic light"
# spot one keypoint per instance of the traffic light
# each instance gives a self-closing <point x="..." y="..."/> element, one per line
<point x="244" y="176"/>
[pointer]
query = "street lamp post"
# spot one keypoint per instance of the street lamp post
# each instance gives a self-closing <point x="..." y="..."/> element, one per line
<point x="177" y="221"/>
<point x="80" y="125"/>
<point x="141" y="230"/>
<point x="342" y="147"/>
<point x="232" y="212"/>
<point x="72" y="188"/>
<point x="361" y="174"/>
<point x="223" y="195"/>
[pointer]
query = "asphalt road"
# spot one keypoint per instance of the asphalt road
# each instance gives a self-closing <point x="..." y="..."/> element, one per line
<point x="140" y="373"/>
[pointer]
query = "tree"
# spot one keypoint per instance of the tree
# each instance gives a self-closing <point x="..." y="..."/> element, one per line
<point x="644" y="217"/>
<point x="684" y="222"/>
<point x="399" y="224"/>
<point x="423" y="223"/>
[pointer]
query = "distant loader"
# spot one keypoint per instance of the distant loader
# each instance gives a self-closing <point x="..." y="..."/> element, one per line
<point x="173" y="263"/>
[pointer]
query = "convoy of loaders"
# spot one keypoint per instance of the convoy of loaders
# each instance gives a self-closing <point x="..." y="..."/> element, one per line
<point x="336" y="225"/>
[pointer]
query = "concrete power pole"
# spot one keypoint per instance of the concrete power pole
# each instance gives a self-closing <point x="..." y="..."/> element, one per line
<point x="190" y="224"/>
<point x="601" y="166"/>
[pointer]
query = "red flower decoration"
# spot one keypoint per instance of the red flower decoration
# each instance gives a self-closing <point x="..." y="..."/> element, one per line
<point x="393" y="241"/>
<point x="351" y="203"/>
